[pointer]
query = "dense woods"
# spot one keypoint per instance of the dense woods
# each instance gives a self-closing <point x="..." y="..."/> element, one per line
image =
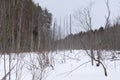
<point x="24" y="26"/>
<point x="103" y="38"/>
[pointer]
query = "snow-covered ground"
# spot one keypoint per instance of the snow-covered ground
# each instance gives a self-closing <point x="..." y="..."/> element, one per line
<point x="60" y="65"/>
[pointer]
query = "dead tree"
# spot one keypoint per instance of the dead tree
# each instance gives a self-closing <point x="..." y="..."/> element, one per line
<point x="70" y="34"/>
<point x="84" y="19"/>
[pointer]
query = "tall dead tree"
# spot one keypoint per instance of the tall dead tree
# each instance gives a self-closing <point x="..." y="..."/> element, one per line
<point x="70" y="34"/>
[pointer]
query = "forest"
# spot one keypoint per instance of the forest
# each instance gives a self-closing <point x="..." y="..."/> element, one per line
<point x="24" y="26"/>
<point x="32" y="46"/>
<point x="103" y="38"/>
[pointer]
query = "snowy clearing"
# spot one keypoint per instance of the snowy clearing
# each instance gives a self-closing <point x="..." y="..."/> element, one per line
<point x="60" y="65"/>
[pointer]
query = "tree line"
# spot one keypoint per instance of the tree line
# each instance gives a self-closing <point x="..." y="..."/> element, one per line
<point x="103" y="38"/>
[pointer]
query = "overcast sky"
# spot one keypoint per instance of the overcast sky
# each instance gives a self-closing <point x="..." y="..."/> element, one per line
<point x="61" y="8"/>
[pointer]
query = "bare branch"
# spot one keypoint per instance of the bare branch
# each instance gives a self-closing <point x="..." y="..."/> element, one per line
<point x="4" y="78"/>
<point x="83" y="17"/>
<point x="109" y="13"/>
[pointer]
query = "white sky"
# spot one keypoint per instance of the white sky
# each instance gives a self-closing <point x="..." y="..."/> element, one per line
<point x="62" y="8"/>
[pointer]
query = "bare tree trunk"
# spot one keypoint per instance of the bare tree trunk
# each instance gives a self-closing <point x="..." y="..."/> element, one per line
<point x="60" y="29"/>
<point x="67" y="41"/>
<point x="20" y="26"/>
<point x="4" y="66"/>
<point x="92" y="56"/>
<point x="98" y="57"/>
<point x="10" y="66"/>
<point x="31" y="44"/>
<point x="53" y="35"/>
<point x="13" y="27"/>
<point x="71" y="35"/>
<point x="9" y="25"/>
<point x="39" y="29"/>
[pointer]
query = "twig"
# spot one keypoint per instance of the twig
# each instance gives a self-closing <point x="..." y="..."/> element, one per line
<point x="69" y="72"/>
<point x="77" y="67"/>
<point x="8" y="73"/>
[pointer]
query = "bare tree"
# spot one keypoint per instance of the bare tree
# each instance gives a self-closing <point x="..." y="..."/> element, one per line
<point x="84" y="19"/>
